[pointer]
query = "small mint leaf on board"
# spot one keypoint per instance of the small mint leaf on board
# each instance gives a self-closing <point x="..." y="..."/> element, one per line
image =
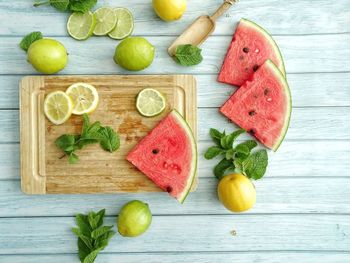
<point x="30" y="39"/>
<point x="188" y="55"/>
<point x="109" y="139"/>
<point x="255" y="165"/>
<point x="82" y="6"/>
<point x="221" y="167"/>
<point x="73" y="158"/>
<point x="212" y="152"/>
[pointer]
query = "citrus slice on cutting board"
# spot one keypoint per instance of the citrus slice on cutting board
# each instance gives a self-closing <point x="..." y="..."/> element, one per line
<point x="84" y="97"/>
<point x="150" y="102"/>
<point x="58" y="107"/>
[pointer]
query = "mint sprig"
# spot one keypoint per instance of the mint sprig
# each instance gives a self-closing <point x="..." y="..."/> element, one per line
<point x="236" y="157"/>
<point x="93" y="237"/>
<point x="30" y="39"/>
<point x="82" y="6"/>
<point x="90" y="134"/>
<point x="188" y="55"/>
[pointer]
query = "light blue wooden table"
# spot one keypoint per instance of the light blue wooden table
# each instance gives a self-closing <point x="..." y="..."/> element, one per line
<point x="303" y="208"/>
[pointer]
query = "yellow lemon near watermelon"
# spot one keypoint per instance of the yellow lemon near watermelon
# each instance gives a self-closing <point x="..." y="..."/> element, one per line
<point x="236" y="192"/>
<point x="169" y="10"/>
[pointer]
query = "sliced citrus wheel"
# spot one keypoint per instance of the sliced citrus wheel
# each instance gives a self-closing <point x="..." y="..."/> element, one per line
<point x="84" y="97"/>
<point x="105" y="21"/>
<point x="81" y="26"/>
<point x="150" y="102"/>
<point x="58" y="107"/>
<point x="125" y="23"/>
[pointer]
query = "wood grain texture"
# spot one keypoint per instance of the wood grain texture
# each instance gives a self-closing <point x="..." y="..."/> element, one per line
<point x="42" y="169"/>
<point x="303" y="53"/>
<point x="274" y="195"/>
<point x="291" y="17"/>
<point x="322" y="154"/>
<point x="315" y="232"/>
<point x="202" y="257"/>
<point x="308" y="90"/>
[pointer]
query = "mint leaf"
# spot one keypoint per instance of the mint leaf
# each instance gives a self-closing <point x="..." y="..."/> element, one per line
<point x="251" y="144"/>
<point x="102" y="241"/>
<point x="109" y="139"/>
<point x="61" y="5"/>
<point x="92" y="256"/>
<point x="30" y="39"/>
<point x="229" y="139"/>
<point x="65" y="142"/>
<point x="101" y="214"/>
<point x="216" y="136"/>
<point x="229" y="154"/>
<point x="100" y="231"/>
<point x="83" y="224"/>
<point x="85" y="239"/>
<point x="254" y="166"/>
<point x="243" y="149"/>
<point x="73" y="158"/>
<point x="188" y="55"/>
<point x="93" y="219"/>
<point x="82" y="6"/>
<point x="83" y="250"/>
<point x="212" y="152"/>
<point x="221" y="168"/>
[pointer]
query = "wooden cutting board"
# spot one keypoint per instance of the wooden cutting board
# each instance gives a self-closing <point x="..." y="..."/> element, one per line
<point x="42" y="170"/>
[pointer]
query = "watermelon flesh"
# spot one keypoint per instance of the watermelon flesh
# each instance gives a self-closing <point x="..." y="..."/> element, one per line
<point x="168" y="156"/>
<point x="262" y="106"/>
<point x="251" y="46"/>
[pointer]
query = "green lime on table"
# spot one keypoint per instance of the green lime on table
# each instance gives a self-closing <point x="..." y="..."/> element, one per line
<point x="125" y="23"/>
<point x="150" y="102"/>
<point x="81" y="26"/>
<point x="134" y="53"/>
<point x="105" y="21"/>
<point x="134" y="219"/>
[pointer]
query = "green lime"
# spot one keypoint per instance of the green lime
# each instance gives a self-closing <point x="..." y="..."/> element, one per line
<point x="134" y="219"/>
<point x="134" y="53"/>
<point x="125" y="23"/>
<point x="81" y="26"/>
<point x="105" y="21"/>
<point x="150" y="102"/>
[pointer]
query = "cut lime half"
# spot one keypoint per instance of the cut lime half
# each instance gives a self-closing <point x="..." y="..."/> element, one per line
<point x="81" y="26"/>
<point x="125" y="23"/>
<point x="105" y="21"/>
<point x="150" y="102"/>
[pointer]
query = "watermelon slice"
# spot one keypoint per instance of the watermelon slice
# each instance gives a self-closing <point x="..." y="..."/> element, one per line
<point x="168" y="156"/>
<point x="262" y="106"/>
<point x="251" y="46"/>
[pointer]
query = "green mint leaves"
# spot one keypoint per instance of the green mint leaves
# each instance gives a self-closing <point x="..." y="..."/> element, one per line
<point x="236" y="158"/>
<point x="82" y="6"/>
<point x="93" y="237"/>
<point x="90" y="134"/>
<point x="30" y="39"/>
<point x="188" y="55"/>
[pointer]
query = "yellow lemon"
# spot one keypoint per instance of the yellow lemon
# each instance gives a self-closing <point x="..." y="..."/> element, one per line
<point x="236" y="192"/>
<point x="169" y="10"/>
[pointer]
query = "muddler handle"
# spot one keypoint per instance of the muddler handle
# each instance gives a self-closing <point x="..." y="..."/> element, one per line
<point x="223" y="8"/>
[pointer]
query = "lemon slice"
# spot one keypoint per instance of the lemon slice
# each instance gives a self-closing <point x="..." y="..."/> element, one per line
<point x="58" y="107"/>
<point x="105" y="21"/>
<point x="125" y="23"/>
<point x="84" y="97"/>
<point x="150" y="102"/>
<point x="81" y="26"/>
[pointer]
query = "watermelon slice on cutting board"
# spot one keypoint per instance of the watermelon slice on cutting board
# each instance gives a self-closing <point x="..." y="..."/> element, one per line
<point x="262" y="106"/>
<point x="251" y="46"/>
<point x="168" y="156"/>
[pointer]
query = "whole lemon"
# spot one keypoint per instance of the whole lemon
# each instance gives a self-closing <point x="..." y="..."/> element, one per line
<point x="134" y="53"/>
<point x="47" y="56"/>
<point x="236" y="192"/>
<point x="169" y="10"/>
<point x="134" y="219"/>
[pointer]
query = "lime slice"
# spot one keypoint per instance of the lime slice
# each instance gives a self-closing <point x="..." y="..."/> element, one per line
<point x="125" y="23"/>
<point x="84" y="97"/>
<point x="150" y="102"/>
<point x="105" y="21"/>
<point x="81" y="26"/>
<point x="58" y="107"/>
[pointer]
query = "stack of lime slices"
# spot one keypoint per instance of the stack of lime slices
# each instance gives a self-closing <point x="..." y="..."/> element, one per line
<point x="117" y="23"/>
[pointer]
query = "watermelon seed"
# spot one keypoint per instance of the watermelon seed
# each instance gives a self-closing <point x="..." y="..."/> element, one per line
<point x="266" y="91"/>
<point x="252" y="131"/>
<point x="169" y="189"/>
<point x="252" y="113"/>
<point x="245" y="50"/>
<point x="155" y="151"/>
<point x="255" y="68"/>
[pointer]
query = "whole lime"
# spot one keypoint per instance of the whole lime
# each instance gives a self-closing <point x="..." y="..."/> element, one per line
<point x="134" y="219"/>
<point x="134" y="53"/>
<point x="47" y="56"/>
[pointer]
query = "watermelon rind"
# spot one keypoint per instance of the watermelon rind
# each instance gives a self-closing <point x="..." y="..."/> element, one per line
<point x="284" y="83"/>
<point x="193" y="172"/>
<point x="273" y="43"/>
